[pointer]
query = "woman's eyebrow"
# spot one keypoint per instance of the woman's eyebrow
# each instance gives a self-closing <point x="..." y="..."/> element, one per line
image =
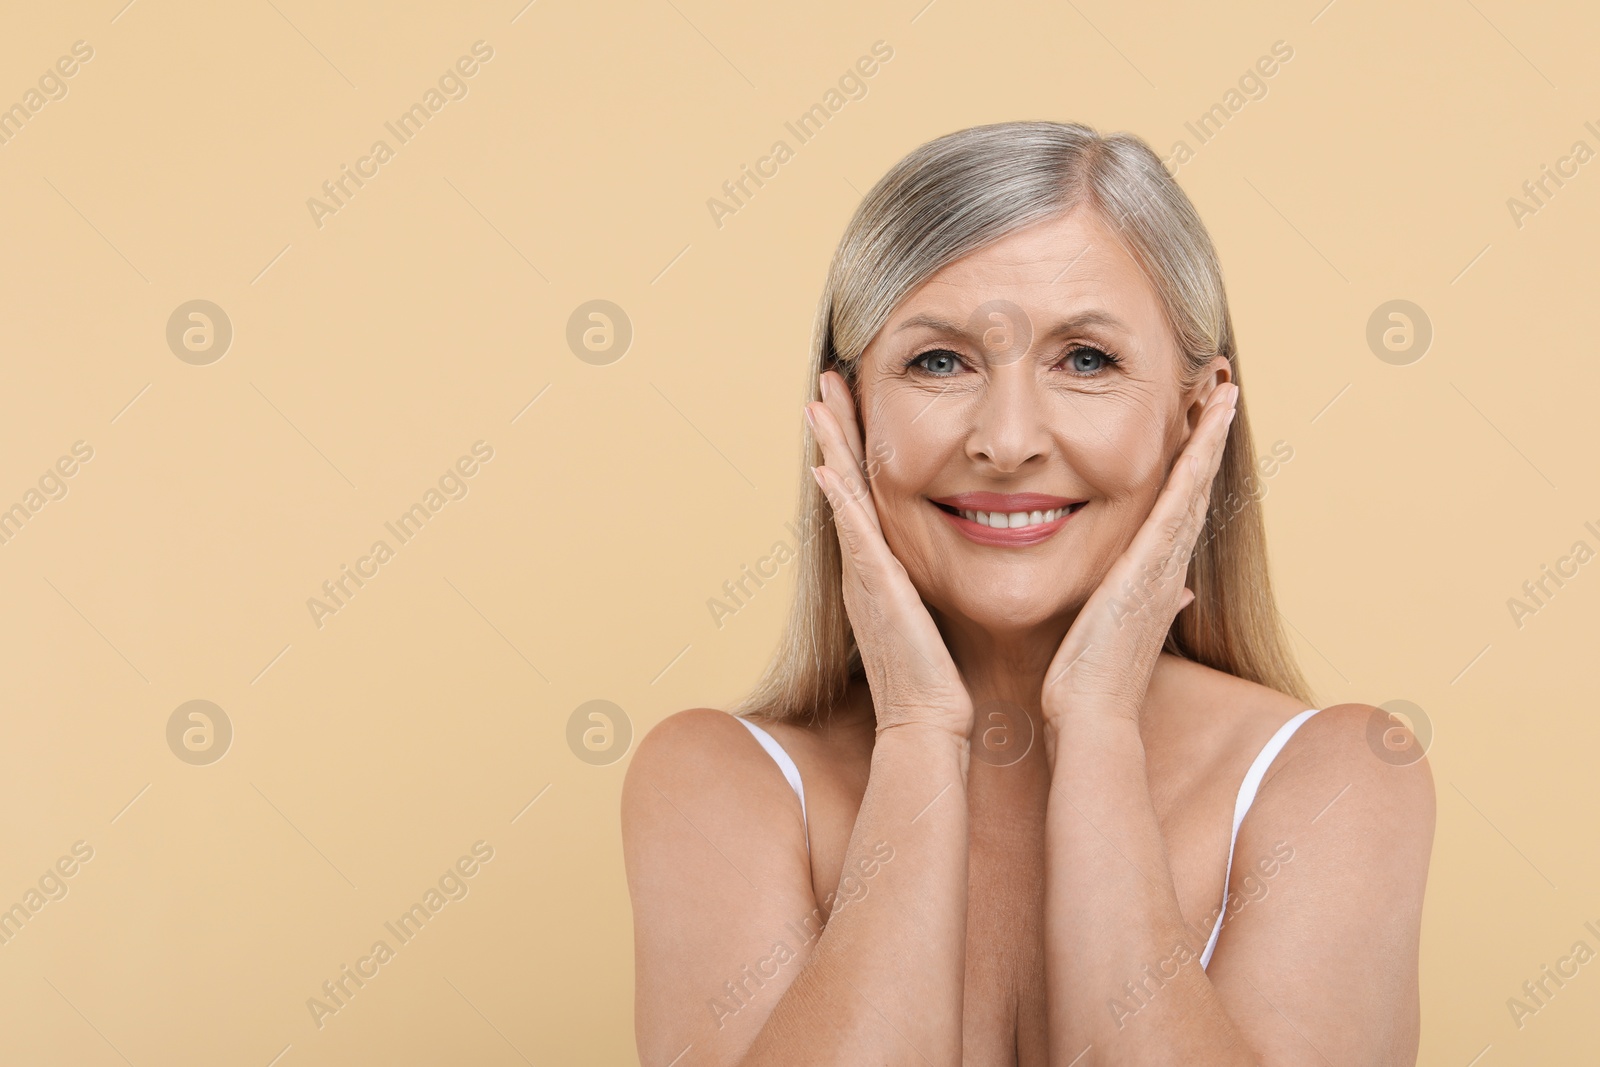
<point x="1071" y="324"/>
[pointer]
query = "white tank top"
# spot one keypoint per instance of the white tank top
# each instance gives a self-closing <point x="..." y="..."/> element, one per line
<point x="1247" y="796"/>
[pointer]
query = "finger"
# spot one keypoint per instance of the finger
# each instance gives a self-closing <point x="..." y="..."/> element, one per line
<point x="902" y="651"/>
<point x="1166" y="540"/>
<point x="860" y="538"/>
<point x="836" y="395"/>
<point x="1206" y="461"/>
<point x="838" y="458"/>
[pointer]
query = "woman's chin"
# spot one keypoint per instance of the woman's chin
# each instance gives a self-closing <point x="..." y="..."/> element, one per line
<point x="1007" y="617"/>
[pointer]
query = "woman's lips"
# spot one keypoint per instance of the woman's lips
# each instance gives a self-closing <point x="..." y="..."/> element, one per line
<point x="1025" y="521"/>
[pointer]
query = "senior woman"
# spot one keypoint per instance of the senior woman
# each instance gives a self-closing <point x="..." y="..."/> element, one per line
<point x="988" y="804"/>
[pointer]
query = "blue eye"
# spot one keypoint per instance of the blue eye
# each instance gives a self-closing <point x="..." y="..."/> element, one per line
<point x="1098" y="359"/>
<point x="1085" y="361"/>
<point x="938" y="356"/>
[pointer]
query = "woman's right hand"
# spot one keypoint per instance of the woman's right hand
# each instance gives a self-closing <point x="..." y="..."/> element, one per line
<point x="912" y="677"/>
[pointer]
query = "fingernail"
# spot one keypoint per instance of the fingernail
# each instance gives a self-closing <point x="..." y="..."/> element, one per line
<point x="818" y="476"/>
<point x="811" y="419"/>
<point x="1231" y="413"/>
<point x="824" y="387"/>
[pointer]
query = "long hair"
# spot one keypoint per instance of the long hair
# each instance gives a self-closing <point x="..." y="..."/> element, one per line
<point x="946" y="199"/>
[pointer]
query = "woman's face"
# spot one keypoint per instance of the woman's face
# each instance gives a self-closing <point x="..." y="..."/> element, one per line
<point x="1044" y="365"/>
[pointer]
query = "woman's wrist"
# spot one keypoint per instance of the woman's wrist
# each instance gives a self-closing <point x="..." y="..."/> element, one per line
<point x="1106" y="733"/>
<point x="927" y="738"/>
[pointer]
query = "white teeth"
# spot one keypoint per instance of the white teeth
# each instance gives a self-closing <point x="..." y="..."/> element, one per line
<point x="1012" y="520"/>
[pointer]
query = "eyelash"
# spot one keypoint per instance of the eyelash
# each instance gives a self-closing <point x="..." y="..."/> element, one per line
<point x="1109" y="358"/>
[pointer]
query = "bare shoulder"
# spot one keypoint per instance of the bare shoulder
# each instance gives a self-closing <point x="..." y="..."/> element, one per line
<point x="1345" y="821"/>
<point x="1362" y="756"/>
<point x="716" y="863"/>
<point x="1217" y="712"/>
<point x="1353" y="792"/>
<point x="692" y="737"/>
<point x="1353" y="744"/>
<point x="702" y="768"/>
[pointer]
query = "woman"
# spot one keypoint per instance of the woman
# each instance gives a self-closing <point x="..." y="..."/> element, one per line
<point x="993" y="808"/>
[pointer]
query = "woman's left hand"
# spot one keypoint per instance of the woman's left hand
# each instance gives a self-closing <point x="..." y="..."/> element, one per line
<point x="1105" y="661"/>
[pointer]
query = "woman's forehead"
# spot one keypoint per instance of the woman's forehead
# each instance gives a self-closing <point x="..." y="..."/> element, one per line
<point x="1056" y="271"/>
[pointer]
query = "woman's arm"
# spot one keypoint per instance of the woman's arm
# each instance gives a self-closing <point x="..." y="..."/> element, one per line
<point x="1123" y="971"/>
<point x="733" y="962"/>
<point x="1319" y="969"/>
<point x="1317" y="962"/>
<point x="883" y="983"/>
<point x="1111" y="910"/>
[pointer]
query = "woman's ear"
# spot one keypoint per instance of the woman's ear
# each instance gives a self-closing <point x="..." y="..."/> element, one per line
<point x="1217" y="372"/>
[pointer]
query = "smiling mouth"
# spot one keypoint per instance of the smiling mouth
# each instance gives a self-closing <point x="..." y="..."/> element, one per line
<point x="1010" y="520"/>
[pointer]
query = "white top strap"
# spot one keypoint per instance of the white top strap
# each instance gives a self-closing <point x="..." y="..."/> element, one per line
<point x="1247" y="796"/>
<point x="786" y="765"/>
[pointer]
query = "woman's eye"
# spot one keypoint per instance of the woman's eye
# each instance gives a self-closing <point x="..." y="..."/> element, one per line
<point x="940" y="362"/>
<point x="1086" y="360"/>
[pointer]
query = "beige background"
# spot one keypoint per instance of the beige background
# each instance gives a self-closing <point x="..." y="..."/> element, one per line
<point x="371" y="352"/>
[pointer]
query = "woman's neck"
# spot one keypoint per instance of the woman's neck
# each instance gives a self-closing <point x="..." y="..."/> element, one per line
<point x="1003" y="669"/>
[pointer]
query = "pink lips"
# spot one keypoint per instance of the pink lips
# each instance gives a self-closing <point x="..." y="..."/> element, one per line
<point x="1006" y="502"/>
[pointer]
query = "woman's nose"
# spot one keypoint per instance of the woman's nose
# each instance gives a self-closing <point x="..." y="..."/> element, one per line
<point x="1010" y="424"/>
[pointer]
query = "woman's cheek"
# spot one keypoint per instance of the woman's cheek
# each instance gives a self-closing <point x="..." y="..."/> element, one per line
<point x="1117" y="457"/>
<point x="906" y="452"/>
